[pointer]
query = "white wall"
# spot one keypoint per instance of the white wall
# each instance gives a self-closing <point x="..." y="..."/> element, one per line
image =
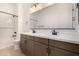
<point x="26" y="18"/>
<point x="56" y="16"/>
<point x="23" y="19"/>
<point x="9" y="7"/>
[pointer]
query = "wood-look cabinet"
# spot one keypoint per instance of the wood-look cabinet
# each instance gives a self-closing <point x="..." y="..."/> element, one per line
<point x="54" y="51"/>
<point x="26" y="45"/>
<point x="40" y="49"/>
<point x="23" y="44"/>
<point x="29" y="47"/>
<point x="63" y="48"/>
<point x="35" y="46"/>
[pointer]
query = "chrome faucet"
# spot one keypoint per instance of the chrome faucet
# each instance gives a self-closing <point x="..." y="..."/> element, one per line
<point x="54" y="32"/>
<point x="34" y="31"/>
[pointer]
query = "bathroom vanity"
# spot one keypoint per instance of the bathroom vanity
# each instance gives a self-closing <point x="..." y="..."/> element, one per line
<point x="59" y="17"/>
<point x="33" y="45"/>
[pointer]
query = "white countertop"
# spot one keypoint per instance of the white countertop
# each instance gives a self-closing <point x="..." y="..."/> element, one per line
<point x="72" y="37"/>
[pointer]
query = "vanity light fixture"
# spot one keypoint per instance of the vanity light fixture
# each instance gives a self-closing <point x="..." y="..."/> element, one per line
<point x="35" y="5"/>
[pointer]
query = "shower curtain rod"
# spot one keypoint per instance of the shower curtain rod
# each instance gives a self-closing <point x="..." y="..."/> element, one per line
<point x="8" y="13"/>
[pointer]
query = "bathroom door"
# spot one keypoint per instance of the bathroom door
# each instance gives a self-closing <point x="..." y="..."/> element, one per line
<point x="7" y="27"/>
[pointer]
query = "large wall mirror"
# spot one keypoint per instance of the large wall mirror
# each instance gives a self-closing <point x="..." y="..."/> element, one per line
<point x="58" y="15"/>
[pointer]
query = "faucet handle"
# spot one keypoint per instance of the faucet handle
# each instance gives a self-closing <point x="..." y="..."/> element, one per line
<point x="34" y="31"/>
<point x="54" y="32"/>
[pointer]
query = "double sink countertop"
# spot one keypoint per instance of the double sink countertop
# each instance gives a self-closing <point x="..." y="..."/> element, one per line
<point x="72" y="37"/>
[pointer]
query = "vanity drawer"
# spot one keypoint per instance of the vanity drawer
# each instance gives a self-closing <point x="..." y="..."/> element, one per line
<point x="65" y="45"/>
<point x="23" y="36"/>
<point x="41" y="40"/>
<point x="27" y="36"/>
<point x="54" y="51"/>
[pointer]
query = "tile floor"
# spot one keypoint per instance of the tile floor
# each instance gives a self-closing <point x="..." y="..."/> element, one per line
<point x="11" y="51"/>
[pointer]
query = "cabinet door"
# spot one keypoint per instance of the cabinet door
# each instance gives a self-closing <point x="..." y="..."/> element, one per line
<point x="40" y="49"/>
<point x="60" y="52"/>
<point x="26" y="45"/>
<point x="22" y="44"/>
<point x="29" y="47"/>
<point x="41" y="40"/>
